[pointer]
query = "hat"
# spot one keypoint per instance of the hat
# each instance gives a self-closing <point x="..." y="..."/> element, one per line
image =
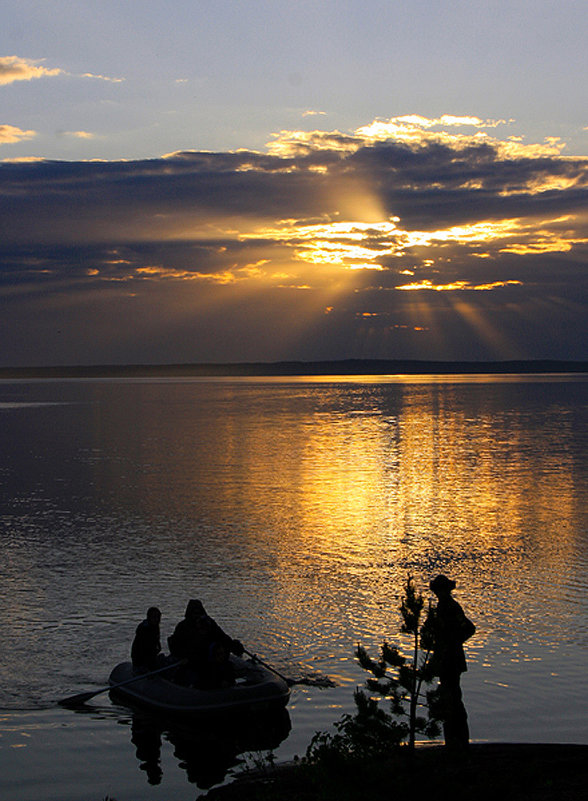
<point x="442" y="583"/>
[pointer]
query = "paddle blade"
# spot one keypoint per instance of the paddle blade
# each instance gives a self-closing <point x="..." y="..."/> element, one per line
<point x="77" y="700"/>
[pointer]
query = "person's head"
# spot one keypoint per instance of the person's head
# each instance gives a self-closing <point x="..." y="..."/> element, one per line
<point x="195" y="609"/>
<point x="153" y="616"/>
<point x="442" y="586"/>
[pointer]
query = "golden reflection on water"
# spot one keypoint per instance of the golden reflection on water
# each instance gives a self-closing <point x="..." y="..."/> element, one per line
<point x="332" y="490"/>
<point x="296" y="508"/>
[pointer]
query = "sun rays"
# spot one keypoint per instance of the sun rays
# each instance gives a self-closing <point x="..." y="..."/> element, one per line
<point x="404" y="237"/>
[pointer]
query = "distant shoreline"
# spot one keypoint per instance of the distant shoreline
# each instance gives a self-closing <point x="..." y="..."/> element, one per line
<point x="297" y="368"/>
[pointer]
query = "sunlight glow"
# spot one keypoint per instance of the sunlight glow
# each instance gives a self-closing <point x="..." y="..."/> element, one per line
<point x="363" y="246"/>
<point x="489" y="333"/>
<point x="457" y="286"/>
<point x="370" y="236"/>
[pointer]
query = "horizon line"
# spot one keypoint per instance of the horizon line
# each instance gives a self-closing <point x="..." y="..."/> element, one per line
<point x="301" y="367"/>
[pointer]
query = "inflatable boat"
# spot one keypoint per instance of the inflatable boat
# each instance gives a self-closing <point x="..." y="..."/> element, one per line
<point x="256" y="689"/>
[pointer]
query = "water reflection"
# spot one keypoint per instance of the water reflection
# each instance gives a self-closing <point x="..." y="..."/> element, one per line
<point x="294" y="509"/>
<point x="206" y="751"/>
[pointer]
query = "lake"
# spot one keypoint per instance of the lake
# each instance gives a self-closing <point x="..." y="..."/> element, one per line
<point x="295" y="508"/>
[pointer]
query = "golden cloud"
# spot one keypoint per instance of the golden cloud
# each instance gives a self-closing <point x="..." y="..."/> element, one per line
<point x="363" y="246"/>
<point x="230" y="275"/>
<point x="415" y="131"/>
<point x="295" y="143"/>
<point x="100" y="77"/>
<point x="9" y="134"/>
<point x="22" y="160"/>
<point x="13" y="68"/>
<point x="79" y="134"/>
<point x="458" y="286"/>
<point x="381" y="208"/>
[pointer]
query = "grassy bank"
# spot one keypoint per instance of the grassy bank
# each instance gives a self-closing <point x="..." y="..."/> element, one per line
<point x="488" y="772"/>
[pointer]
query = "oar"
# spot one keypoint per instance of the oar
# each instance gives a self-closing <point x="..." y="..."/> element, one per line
<point x="81" y="698"/>
<point x="289" y="682"/>
<point x="320" y="682"/>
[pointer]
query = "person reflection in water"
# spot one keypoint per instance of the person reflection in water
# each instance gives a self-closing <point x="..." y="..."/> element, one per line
<point x="449" y="629"/>
<point x="146" y="737"/>
<point x="200" y="640"/>
<point x="146" y="648"/>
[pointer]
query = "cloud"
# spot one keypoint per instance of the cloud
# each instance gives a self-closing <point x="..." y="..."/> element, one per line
<point x="390" y="195"/>
<point x="458" y="286"/>
<point x="417" y="232"/>
<point x="13" y="68"/>
<point x="78" y="134"/>
<point x="447" y="120"/>
<point x="22" y="159"/>
<point x="98" y="77"/>
<point x="9" y="134"/>
<point x="414" y="131"/>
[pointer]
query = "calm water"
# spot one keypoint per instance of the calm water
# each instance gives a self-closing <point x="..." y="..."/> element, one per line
<point x="295" y="508"/>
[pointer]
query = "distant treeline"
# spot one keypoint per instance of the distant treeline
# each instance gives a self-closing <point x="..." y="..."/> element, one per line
<point x="297" y="368"/>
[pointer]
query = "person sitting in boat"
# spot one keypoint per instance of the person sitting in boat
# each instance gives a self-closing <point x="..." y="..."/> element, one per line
<point x="192" y="640"/>
<point x="146" y="648"/>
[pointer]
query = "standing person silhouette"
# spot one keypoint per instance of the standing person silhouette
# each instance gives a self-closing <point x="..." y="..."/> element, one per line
<point x="450" y="628"/>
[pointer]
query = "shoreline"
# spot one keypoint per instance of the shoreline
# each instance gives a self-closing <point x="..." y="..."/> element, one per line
<point x="537" y="771"/>
<point x="344" y="367"/>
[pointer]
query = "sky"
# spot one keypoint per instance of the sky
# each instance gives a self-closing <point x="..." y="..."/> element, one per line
<point x="226" y="181"/>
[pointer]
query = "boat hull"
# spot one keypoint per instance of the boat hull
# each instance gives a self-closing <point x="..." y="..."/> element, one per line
<point x="256" y="689"/>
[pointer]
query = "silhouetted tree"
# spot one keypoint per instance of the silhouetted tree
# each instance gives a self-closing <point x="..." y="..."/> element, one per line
<point x="400" y="679"/>
<point x="373" y="731"/>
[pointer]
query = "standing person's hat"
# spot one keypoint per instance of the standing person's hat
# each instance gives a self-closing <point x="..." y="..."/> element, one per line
<point x="442" y="583"/>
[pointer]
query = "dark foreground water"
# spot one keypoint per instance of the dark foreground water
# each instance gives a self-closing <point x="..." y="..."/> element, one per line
<point x="295" y="508"/>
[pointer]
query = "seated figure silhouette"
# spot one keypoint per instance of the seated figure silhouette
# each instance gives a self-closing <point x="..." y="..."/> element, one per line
<point x="206" y="647"/>
<point x="146" y="648"/>
<point x="449" y="628"/>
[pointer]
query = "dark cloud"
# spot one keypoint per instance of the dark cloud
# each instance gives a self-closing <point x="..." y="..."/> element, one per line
<point x="318" y="239"/>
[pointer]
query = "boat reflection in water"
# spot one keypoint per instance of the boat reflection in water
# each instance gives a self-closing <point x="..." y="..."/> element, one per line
<point x="205" y="748"/>
<point x="208" y="728"/>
